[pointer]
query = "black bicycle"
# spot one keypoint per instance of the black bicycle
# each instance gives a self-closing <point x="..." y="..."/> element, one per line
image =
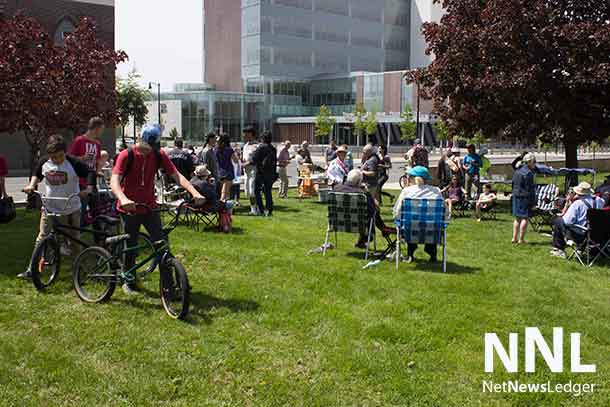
<point x="97" y="271"/>
<point x="47" y="256"/>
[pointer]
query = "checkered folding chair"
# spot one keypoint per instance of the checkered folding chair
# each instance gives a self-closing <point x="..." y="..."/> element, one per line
<point x="422" y="221"/>
<point x="596" y="242"/>
<point x="546" y="197"/>
<point x="349" y="213"/>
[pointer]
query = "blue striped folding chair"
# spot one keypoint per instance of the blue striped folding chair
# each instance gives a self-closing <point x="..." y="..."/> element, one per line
<point x="546" y="197"/>
<point x="349" y="213"/>
<point x="422" y="221"/>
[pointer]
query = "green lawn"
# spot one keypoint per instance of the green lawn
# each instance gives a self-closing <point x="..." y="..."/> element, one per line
<point x="271" y="326"/>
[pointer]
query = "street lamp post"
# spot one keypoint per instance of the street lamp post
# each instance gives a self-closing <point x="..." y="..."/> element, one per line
<point x="417" y="126"/>
<point x="158" y="98"/>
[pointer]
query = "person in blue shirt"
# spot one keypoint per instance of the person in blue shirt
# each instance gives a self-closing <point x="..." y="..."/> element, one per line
<point x="472" y="164"/>
<point x="567" y="226"/>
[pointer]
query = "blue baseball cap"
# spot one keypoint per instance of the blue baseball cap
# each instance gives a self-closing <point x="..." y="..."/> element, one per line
<point x="151" y="134"/>
<point x="420" y="171"/>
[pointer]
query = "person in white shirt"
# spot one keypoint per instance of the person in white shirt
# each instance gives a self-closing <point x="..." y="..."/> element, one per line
<point x="418" y="189"/>
<point x="337" y="169"/>
<point x="248" y="150"/>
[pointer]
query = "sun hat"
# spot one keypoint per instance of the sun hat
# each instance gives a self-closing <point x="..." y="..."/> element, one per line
<point x="420" y="171"/>
<point x="341" y="149"/>
<point x="202" y="171"/>
<point x="529" y="157"/>
<point x="583" y="189"/>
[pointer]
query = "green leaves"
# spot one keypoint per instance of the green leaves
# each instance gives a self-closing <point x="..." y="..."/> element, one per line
<point x="324" y="122"/>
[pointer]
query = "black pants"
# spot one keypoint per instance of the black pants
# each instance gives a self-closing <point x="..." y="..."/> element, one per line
<point x="561" y="231"/>
<point x="264" y="185"/>
<point x="131" y="225"/>
<point x="429" y="248"/>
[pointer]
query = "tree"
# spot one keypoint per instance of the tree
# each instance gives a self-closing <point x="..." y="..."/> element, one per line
<point x="522" y="68"/>
<point x="408" y="128"/>
<point x="324" y="122"/>
<point x="46" y="88"/>
<point x="173" y="134"/>
<point x="29" y="80"/>
<point x="370" y="123"/>
<point x="131" y="98"/>
<point x="88" y="77"/>
<point x="360" y="114"/>
<point x="442" y="131"/>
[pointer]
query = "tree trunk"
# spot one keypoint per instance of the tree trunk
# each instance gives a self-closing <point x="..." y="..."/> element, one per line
<point x="571" y="149"/>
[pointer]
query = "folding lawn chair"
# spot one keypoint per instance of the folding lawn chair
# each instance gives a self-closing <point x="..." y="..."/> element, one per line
<point x="596" y="242"/>
<point x="201" y="218"/>
<point x="489" y="213"/>
<point x="349" y="213"/>
<point x="422" y="221"/>
<point x="546" y="196"/>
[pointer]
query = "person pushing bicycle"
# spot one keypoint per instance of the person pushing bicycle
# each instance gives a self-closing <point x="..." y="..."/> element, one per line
<point x="133" y="182"/>
<point x="60" y="174"/>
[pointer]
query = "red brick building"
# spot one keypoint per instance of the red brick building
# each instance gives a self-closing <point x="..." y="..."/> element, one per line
<point x="58" y="17"/>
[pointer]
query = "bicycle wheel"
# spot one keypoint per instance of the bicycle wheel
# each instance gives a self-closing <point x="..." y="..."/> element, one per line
<point x="94" y="277"/>
<point x="403" y="181"/>
<point x="175" y="289"/>
<point x="46" y="262"/>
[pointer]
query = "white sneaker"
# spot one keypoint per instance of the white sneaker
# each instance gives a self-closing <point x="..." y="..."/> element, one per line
<point x="558" y="253"/>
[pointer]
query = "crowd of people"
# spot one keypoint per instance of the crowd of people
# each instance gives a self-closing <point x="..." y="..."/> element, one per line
<point x="213" y="177"/>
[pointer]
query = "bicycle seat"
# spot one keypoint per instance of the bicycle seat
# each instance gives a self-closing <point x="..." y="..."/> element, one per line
<point x="116" y="239"/>
<point x="110" y="221"/>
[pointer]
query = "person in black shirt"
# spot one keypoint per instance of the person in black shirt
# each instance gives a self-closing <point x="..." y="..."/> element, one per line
<point x="265" y="160"/>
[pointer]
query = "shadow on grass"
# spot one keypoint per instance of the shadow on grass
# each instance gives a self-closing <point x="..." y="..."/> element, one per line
<point x="202" y="304"/>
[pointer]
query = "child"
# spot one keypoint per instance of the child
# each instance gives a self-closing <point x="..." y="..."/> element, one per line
<point x="486" y="201"/>
<point x="236" y="187"/>
<point x="60" y="174"/>
<point x="454" y="192"/>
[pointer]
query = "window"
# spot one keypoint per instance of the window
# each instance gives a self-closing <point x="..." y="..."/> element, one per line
<point x="304" y="4"/>
<point x="327" y="34"/>
<point x="291" y="57"/>
<point x="292" y="26"/>
<point x="366" y="42"/>
<point x="366" y="11"/>
<point x="251" y="20"/>
<point x="64" y="28"/>
<point x="333" y="6"/>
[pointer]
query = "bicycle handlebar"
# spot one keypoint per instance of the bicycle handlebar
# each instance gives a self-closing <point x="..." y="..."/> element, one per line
<point x="45" y="199"/>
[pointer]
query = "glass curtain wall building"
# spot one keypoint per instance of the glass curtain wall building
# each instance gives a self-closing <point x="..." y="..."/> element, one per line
<point x="301" y="54"/>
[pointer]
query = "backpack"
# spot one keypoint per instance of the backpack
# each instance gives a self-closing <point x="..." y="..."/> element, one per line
<point x="131" y="157"/>
<point x="7" y="210"/>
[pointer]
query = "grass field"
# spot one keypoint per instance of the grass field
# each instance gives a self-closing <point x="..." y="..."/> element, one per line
<point x="270" y="326"/>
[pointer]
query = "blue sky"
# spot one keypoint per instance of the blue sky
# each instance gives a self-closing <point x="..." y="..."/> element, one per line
<point x="163" y="39"/>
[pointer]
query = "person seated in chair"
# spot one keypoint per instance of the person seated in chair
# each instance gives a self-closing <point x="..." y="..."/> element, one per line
<point x="205" y="184"/>
<point x="603" y="191"/>
<point x="454" y="192"/>
<point x="568" y="225"/>
<point x="418" y="189"/>
<point x="486" y="201"/>
<point x="353" y="185"/>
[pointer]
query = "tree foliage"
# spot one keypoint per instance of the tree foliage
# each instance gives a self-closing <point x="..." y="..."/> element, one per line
<point x="360" y="114"/>
<point x="408" y="128"/>
<point x="45" y="88"/>
<point x="522" y="68"/>
<point x="324" y="122"/>
<point x="131" y="98"/>
<point x="370" y="123"/>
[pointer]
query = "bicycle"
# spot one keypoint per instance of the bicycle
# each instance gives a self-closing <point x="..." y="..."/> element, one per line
<point x="46" y="258"/>
<point x="97" y="271"/>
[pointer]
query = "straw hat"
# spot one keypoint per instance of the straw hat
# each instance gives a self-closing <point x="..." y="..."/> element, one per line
<point x="341" y="149"/>
<point x="583" y="189"/>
